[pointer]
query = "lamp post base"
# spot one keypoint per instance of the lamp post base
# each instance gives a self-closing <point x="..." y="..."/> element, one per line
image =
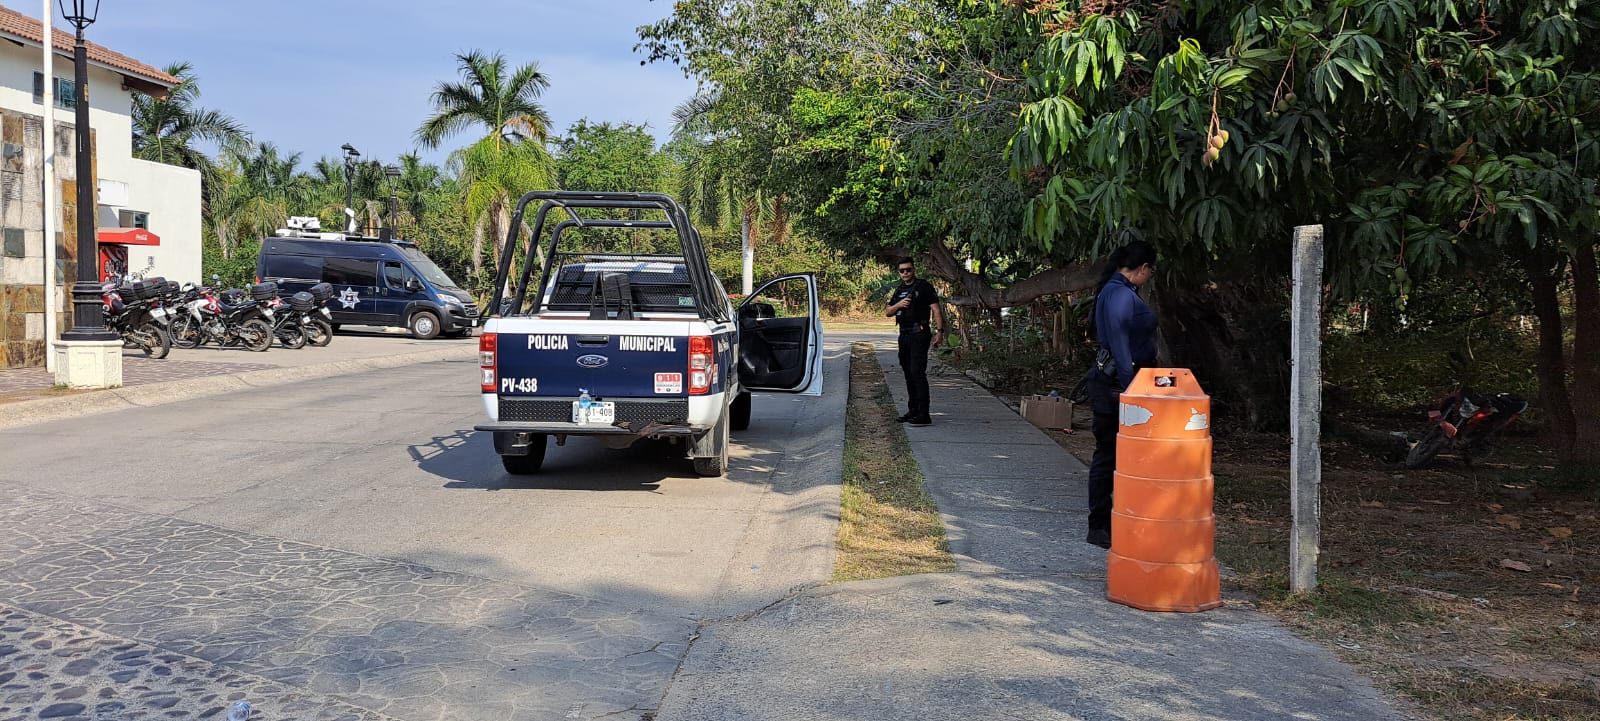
<point x="89" y="363"/>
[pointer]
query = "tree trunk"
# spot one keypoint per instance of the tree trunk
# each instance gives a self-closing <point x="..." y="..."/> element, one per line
<point x="477" y="246"/>
<point x="970" y="289"/>
<point x="503" y="229"/>
<point x="1550" y="360"/>
<point x="1586" y="357"/>
<point x="750" y="212"/>
<point x="780" y="221"/>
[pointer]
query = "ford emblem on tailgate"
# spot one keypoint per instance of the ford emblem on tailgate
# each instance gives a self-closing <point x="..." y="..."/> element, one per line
<point x="592" y="361"/>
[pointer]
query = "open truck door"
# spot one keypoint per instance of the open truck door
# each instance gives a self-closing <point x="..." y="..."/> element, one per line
<point x="780" y="337"/>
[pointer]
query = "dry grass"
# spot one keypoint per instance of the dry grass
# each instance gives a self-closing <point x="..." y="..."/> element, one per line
<point x="858" y="324"/>
<point x="1413" y="592"/>
<point x="888" y="523"/>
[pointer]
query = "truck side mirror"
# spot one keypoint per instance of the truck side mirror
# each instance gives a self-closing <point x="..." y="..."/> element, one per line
<point x="413" y="285"/>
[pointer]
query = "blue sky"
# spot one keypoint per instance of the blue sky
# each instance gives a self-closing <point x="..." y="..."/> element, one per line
<point x="311" y="75"/>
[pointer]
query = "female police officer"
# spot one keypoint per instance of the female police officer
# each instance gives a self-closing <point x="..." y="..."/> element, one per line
<point x="1127" y="330"/>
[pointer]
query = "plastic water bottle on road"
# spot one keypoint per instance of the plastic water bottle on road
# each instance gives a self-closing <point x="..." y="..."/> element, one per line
<point x="239" y="711"/>
<point x="585" y="402"/>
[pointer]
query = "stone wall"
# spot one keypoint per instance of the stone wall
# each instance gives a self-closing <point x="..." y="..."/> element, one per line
<point x="22" y="272"/>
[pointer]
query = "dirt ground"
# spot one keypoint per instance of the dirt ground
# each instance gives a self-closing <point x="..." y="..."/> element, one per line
<point x="1466" y="592"/>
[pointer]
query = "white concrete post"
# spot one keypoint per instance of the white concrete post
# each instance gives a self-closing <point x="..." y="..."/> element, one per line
<point x="1305" y="409"/>
<point x="48" y="140"/>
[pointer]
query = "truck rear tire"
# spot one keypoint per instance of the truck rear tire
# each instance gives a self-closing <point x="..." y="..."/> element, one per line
<point x="740" y="410"/>
<point x="517" y="462"/>
<point x="524" y="466"/>
<point x="715" y="465"/>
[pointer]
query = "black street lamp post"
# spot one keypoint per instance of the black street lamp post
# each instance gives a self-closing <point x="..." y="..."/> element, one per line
<point x="393" y="171"/>
<point x="350" y="157"/>
<point x="87" y="322"/>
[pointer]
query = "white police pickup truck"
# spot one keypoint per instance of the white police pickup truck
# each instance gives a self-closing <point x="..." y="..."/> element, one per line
<point x="627" y="346"/>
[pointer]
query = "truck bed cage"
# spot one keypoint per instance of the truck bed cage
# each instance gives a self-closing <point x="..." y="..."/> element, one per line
<point x="708" y="301"/>
<point x="621" y="282"/>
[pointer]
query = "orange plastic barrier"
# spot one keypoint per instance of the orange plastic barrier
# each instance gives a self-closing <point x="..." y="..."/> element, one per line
<point x="1162" y="529"/>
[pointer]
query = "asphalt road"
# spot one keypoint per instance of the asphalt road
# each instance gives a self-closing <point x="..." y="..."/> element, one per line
<point x="351" y="543"/>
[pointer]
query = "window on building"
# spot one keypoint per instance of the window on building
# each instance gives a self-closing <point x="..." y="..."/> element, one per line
<point x="133" y="219"/>
<point x="66" y="91"/>
<point x="66" y="94"/>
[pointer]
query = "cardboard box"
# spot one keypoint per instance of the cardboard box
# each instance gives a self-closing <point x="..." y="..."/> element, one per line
<point x="1047" y="411"/>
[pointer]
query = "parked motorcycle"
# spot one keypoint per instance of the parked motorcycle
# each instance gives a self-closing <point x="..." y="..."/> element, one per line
<point x="208" y="317"/>
<point x="320" y="328"/>
<point x="1465" y="422"/>
<point x="164" y="303"/>
<point x="286" y="324"/>
<point x="127" y="311"/>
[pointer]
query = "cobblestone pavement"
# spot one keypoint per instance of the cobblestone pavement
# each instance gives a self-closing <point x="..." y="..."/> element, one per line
<point x="323" y="634"/>
<point x="60" y="670"/>
<point x="22" y="383"/>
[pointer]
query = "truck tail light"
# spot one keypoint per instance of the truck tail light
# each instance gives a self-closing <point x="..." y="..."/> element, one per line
<point x="701" y="364"/>
<point x="486" y="348"/>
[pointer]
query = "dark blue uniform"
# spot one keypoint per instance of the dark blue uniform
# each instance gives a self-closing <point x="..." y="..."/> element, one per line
<point x="1127" y="328"/>
<point x="916" y="336"/>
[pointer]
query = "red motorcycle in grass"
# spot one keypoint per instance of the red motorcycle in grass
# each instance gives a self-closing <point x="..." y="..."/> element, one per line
<point x="1464" y="422"/>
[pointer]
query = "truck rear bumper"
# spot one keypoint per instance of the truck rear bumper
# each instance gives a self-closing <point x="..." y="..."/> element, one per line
<point x="572" y="429"/>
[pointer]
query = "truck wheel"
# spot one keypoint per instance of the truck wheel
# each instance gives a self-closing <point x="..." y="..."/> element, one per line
<point x="529" y="464"/>
<point x="715" y="465"/>
<point x="740" y="410"/>
<point x="424" y="325"/>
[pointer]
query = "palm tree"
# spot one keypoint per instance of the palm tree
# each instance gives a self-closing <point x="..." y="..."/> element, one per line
<point x="712" y="187"/>
<point x="167" y="130"/>
<point x="419" y="184"/>
<point x="511" y="157"/>
<point x="260" y="189"/>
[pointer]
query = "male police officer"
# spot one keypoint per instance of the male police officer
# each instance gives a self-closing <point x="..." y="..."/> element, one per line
<point x="913" y="302"/>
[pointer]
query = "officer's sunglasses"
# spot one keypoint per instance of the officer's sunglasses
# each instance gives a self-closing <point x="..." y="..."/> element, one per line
<point x="906" y="270"/>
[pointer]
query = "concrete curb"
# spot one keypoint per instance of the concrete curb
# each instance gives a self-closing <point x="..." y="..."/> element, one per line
<point x="44" y="410"/>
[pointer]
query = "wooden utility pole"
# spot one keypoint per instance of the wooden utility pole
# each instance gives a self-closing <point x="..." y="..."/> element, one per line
<point x="1305" y="409"/>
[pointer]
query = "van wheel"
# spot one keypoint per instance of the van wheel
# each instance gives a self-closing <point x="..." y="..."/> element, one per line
<point x="424" y="325"/>
<point x="740" y="411"/>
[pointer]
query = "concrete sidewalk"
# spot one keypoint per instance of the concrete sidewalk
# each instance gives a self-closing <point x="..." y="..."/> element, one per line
<point x="26" y="396"/>
<point x="1021" y="631"/>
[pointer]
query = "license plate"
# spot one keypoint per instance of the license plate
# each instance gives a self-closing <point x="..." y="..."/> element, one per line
<point x="600" y="413"/>
<point x="158" y="312"/>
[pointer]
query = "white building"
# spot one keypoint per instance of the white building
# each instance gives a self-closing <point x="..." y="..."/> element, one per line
<point x="148" y="213"/>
